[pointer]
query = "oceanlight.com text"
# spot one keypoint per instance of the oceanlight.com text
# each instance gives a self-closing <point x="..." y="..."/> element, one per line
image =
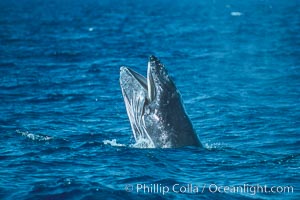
<point x="253" y="189"/>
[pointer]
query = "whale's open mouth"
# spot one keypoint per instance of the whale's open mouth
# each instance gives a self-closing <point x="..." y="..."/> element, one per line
<point x="131" y="80"/>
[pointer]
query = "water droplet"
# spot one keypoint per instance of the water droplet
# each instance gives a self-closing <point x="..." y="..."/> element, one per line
<point x="147" y="111"/>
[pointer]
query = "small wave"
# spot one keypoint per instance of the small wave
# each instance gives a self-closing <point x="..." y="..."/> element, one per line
<point x="113" y="142"/>
<point x="34" y="136"/>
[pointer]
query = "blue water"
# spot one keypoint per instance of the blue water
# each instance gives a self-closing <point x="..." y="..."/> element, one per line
<point x="64" y="129"/>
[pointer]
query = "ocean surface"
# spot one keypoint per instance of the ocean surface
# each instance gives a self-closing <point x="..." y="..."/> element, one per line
<point x="64" y="131"/>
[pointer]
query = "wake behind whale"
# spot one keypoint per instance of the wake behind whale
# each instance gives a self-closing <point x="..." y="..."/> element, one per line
<point x="155" y="108"/>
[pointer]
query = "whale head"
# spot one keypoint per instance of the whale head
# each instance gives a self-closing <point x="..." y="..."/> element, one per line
<point x="155" y="108"/>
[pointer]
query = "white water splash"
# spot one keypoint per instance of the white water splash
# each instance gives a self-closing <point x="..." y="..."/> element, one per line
<point x="236" y="14"/>
<point x="140" y="144"/>
<point x="113" y="142"/>
<point x="212" y="146"/>
<point x="143" y="143"/>
<point x="34" y="136"/>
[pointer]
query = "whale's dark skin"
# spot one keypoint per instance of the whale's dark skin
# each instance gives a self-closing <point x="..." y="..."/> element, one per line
<point x="155" y="109"/>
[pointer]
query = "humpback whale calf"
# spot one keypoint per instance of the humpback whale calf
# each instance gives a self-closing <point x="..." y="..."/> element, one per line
<point x="155" y="109"/>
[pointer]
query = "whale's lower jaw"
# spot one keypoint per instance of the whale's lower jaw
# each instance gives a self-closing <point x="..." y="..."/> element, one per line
<point x="155" y="110"/>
